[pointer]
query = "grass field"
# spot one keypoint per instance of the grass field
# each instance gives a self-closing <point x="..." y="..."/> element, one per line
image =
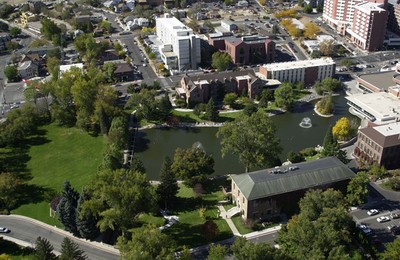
<point x="59" y="154"/>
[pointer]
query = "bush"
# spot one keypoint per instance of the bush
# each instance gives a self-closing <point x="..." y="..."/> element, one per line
<point x="180" y="103"/>
<point x="310" y="151"/>
<point x="394" y="183"/>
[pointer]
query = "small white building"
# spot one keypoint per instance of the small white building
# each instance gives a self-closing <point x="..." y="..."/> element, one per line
<point x="66" y="68"/>
<point x="229" y="26"/>
<point x="242" y="3"/>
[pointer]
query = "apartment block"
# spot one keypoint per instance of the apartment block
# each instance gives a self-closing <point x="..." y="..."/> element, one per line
<point x="245" y="50"/>
<point x="307" y="71"/>
<point x="379" y="144"/>
<point x="181" y="48"/>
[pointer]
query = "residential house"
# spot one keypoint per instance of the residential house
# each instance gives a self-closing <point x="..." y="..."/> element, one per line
<point x="4" y="39"/>
<point x="264" y="194"/>
<point x="28" y="69"/>
<point x="109" y="55"/>
<point x="200" y="88"/>
<point x="380" y="144"/>
<point x="124" y="72"/>
<point x="245" y="50"/>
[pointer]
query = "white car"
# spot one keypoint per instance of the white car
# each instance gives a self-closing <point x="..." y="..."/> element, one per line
<point x="383" y="219"/>
<point x="4" y="230"/>
<point x="372" y="212"/>
<point x="144" y="64"/>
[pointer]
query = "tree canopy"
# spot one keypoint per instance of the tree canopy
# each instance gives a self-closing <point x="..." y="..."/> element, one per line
<point x="168" y="187"/>
<point x="253" y="139"/>
<point x="284" y="96"/>
<point x="221" y="61"/>
<point x="342" y="129"/>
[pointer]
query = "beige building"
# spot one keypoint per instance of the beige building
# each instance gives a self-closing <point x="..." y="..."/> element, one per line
<point x="263" y="194"/>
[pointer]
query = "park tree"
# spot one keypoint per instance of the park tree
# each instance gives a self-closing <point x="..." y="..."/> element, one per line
<point x="106" y="107"/>
<point x="144" y="103"/>
<point x="106" y="26"/>
<point x="11" y="72"/>
<point x="192" y="165"/>
<point x="31" y="91"/>
<point x="53" y="67"/>
<point x="44" y="250"/>
<point x="392" y="250"/>
<point x="137" y="165"/>
<point x="84" y="96"/>
<point x="307" y="8"/>
<point x="230" y="99"/>
<point x="321" y="229"/>
<point x="119" y="132"/>
<point x="9" y="184"/>
<point x="168" y="187"/>
<point x="112" y="158"/>
<point x="211" y="112"/>
<point x="221" y="61"/>
<point x="50" y="30"/>
<point x="217" y="252"/>
<point x="250" y="109"/>
<point x="118" y="198"/>
<point x="70" y="250"/>
<point x="342" y="129"/>
<point x="253" y="139"/>
<point x="66" y="208"/>
<point x="348" y="63"/>
<point x="244" y="250"/>
<point x="357" y="189"/>
<point x="85" y="220"/>
<point x="325" y="106"/>
<point x="328" y="48"/>
<point x="146" y="243"/>
<point x="311" y="30"/>
<point x="14" y="31"/>
<point x="332" y="148"/>
<point x="164" y="107"/>
<point x="295" y="157"/>
<point x="284" y="96"/>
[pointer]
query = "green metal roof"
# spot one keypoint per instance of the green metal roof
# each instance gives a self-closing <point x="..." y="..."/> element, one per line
<point x="264" y="183"/>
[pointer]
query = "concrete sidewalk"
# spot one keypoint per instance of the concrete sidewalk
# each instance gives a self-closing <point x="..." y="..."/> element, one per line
<point x="223" y="214"/>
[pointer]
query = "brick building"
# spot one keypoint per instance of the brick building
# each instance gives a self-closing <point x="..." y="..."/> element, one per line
<point x="263" y="194"/>
<point x="200" y="88"/>
<point x="245" y="50"/>
<point x="379" y="144"/>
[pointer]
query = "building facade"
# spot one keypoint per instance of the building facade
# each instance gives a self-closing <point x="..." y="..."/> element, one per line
<point x="263" y="194"/>
<point x="307" y="71"/>
<point x="363" y="20"/>
<point x="200" y="88"/>
<point x="181" y="48"/>
<point x="245" y="50"/>
<point x="379" y="144"/>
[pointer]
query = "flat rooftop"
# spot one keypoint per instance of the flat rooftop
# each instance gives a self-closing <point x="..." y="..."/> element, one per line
<point x="369" y="7"/>
<point x="381" y="80"/>
<point x="388" y="130"/>
<point x="299" y="64"/>
<point x="381" y="105"/>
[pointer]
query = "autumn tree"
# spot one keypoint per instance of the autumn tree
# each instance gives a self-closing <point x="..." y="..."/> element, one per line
<point x="342" y="129"/>
<point x="328" y="48"/>
<point x="311" y="30"/>
<point x="253" y="139"/>
<point x="192" y="165"/>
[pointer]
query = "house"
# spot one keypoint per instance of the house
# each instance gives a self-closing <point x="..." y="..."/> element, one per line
<point x="229" y="26"/>
<point x="124" y="72"/>
<point x="263" y="194"/>
<point x="200" y="88"/>
<point x="245" y="50"/>
<point x="28" y="69"/>
<point x="380" y="144"/>
<point x="109" y="55"/>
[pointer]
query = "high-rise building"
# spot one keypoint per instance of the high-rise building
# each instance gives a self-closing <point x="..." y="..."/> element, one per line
<point x="363" y="20"/>
<point x="181" y="48"/>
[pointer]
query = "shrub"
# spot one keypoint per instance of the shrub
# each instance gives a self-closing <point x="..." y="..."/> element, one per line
<point x="394" y="183"/>
<point x="310" y="151"/>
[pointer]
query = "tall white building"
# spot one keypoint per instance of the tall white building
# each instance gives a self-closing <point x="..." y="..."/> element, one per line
<point x="181" y="48"/>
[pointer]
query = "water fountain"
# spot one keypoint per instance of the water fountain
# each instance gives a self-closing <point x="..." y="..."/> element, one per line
<point x="306" y="122"/>
<point x="198" y="145"/>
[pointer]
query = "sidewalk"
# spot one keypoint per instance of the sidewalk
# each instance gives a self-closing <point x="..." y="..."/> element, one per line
<point x="224" y="215"/>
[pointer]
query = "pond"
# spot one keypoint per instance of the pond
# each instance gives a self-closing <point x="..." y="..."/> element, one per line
<point x="154" y="144"/>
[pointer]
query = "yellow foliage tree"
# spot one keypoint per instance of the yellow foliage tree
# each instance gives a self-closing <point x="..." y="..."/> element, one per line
<point x="294" y="31"/>
<point x="311" y="30"/>
<point x="289" y="13"/>
<point x="262" y="2"/>
<point x="342" y="129"/>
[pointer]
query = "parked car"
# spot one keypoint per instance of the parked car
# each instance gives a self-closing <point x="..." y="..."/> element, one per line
<point x="394" y="215"/>
<point x="383" y="219"/>
<point x="372" y="212"/>
<point x="4" y="230"/>
<point x="365" y="229"/>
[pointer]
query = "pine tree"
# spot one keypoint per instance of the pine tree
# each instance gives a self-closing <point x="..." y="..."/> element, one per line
<point x="66" y="209"/>
<point x="211" y="111"/>
<point x="85" y="221"/>
<point x="70" y="251"/>
<point x="164" y="107"/>
<point x="44" y="250"/>
<point x="168" y="187"/>
<point x="137" y="165"/>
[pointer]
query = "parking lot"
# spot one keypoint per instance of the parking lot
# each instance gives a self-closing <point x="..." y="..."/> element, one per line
<point x="380" y="232"/>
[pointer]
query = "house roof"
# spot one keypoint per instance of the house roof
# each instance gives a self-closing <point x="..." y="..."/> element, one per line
<point x="263" y="183"/>
<point x="384" y="135"/>
<point x="123" y="68"/>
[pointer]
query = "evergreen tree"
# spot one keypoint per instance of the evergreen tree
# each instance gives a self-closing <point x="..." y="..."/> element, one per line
<point x="70" y="251"/>
<point x="85" y="221"/>
<point x="332" y="147"/>
<point x="137" y="165"/>
<point x="168" y="187"/>
<point x="66" y="209"/>
<point x="211" y="111"/>
<point x="44" y="250"/>
<point x="164" y="107"/>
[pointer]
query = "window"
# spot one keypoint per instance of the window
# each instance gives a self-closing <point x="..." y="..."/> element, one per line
<point x="243" y="200"/>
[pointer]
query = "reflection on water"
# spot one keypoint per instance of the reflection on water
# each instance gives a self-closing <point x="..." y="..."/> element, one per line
<point x="155" y="144"/>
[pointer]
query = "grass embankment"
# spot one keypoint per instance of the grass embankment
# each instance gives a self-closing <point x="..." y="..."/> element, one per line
<point x="62" y="154"/>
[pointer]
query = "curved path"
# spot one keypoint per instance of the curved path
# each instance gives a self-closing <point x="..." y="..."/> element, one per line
<point x="25" y="230"/>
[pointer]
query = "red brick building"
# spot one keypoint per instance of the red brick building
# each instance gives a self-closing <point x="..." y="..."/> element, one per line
<point x="245" y="50"/>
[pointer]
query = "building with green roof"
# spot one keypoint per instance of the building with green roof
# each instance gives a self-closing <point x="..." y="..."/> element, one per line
<point x="262" y="194"/>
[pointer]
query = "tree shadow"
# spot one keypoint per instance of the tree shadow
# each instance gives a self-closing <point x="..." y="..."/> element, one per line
<point x="141" y="142"/>
<point x="14" y="159"/>
<point x="12" y="249"/>
<point x="185" y="234"/>
<point x="32" y="193"/>
<point x="222" y="119"/>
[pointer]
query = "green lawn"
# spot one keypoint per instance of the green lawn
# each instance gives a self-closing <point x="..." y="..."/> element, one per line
<point x="238" y="221"/>
<point x="56" y="155"/>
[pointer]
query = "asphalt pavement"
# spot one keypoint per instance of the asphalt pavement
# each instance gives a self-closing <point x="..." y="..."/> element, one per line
<point x="28" y="230"/>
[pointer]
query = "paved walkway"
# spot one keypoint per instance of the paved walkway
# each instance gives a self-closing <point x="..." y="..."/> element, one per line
<point x="223" y="214"/>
